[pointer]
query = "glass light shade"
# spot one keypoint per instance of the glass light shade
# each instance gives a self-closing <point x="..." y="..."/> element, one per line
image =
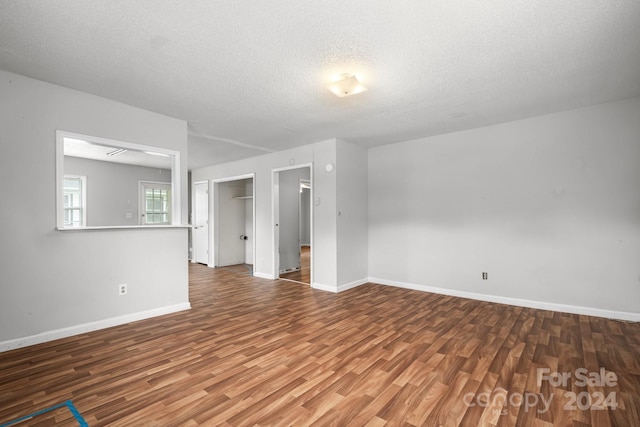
<point x="348" y="85"/>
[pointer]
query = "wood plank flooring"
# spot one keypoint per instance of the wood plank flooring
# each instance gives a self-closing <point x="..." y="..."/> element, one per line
<point x="260" y="352"/>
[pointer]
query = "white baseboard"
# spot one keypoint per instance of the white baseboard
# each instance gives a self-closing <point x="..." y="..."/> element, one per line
<point x="263" y="275"/>
<point x="353" y="284"/>
<point x="339" y="288"/>
<point x="323" y="287"/>
<point x="88" y="327"/>
<point x="542" y="305"/>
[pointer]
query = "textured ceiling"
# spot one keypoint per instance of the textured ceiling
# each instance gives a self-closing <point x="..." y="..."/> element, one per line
<point x="250" y="76"/>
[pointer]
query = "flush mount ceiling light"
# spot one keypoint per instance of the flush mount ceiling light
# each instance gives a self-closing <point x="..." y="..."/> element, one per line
<point x="347" y="85"/>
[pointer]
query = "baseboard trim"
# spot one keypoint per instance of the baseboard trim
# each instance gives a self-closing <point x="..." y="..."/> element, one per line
<point x="353" y="284"/>
<point x="542" y="305"/>
<point x="327" y="288"/>
<point x="88" y="327"/>
<point x="339" y="288"/>
<point x="263" y="275"/>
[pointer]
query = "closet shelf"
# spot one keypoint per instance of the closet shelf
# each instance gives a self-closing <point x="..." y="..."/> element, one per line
<point x="242" y="197"/>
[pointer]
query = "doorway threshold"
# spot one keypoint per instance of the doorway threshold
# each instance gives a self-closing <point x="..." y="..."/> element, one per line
<point x="294" y="281"/>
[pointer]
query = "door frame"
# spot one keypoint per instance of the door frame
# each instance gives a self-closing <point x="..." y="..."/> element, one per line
<point x="275" y="232"/>
<point x="193" y="215"/>
<point x="213" y="235"/>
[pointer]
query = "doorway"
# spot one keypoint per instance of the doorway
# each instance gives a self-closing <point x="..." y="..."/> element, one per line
<point x="293" y="225"/>
<point x="233" y="223"/>
<point x="200" y="230"/>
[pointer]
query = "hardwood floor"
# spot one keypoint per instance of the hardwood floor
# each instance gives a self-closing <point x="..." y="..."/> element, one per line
<point x="246" y="269"/>
<point x="259" y="352"/>
<point x="304" y="274"/>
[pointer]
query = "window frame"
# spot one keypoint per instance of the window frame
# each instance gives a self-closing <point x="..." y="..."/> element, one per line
<point x="142" y="208"/>
<point x="83" y="201"/>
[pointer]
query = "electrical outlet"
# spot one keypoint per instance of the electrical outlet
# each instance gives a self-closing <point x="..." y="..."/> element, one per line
<point x="485" y="276"/>
<point x="122" y="289"/>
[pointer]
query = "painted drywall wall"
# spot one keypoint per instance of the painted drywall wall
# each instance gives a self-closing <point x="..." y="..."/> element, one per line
<point x="549" y="207"/>
<point x="112" y="189"/>
<point x="324" y="256"/>
<point x="352" y="214"/>
<point x="60" y="280"/>
<point x="289" y="216"/>
<point x="325" y="232"/>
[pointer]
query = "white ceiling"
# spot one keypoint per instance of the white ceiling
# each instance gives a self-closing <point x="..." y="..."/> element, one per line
<point x="250" y="76"/>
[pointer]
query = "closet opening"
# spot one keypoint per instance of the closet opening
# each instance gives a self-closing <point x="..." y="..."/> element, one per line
<point x="234" y="224"/>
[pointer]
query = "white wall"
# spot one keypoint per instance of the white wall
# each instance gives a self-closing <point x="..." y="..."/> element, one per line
<point x="112" y="189"/>
<point x="352" y="222"/>
<point x="325" y="233"/>
<point x="63" y="281"/>
<point x="548" y="206"/>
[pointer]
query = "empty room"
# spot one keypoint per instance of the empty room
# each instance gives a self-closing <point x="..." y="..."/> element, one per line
<point x="296" y="213"/>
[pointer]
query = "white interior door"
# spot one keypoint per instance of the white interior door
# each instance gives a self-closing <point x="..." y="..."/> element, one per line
<point x="201" y="223"/>
<point x="289" y="221"/>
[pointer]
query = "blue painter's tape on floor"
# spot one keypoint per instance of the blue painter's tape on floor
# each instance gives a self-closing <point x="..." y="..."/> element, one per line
<point x="68" y="404"/>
